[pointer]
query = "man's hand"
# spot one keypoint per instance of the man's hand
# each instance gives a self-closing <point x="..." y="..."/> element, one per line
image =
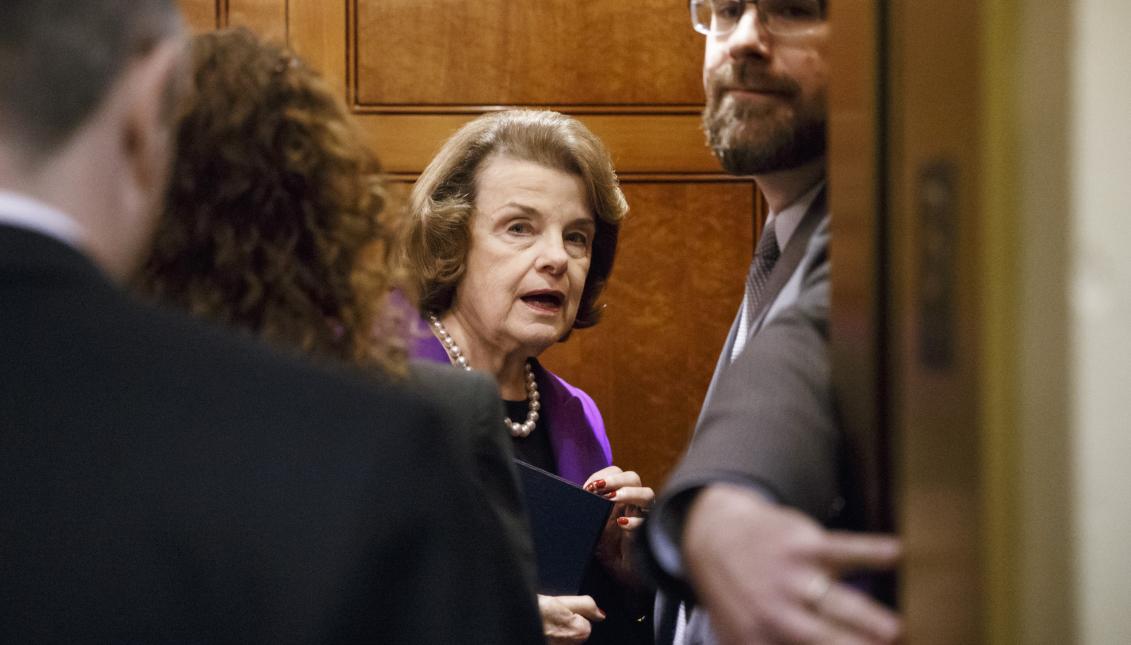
<point x="767" y="573"/>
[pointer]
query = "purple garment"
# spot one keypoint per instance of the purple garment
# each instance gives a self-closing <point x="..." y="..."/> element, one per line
<point x="577" y="435"/>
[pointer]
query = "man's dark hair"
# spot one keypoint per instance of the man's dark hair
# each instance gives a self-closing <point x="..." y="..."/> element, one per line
<point x="58" y="58"/>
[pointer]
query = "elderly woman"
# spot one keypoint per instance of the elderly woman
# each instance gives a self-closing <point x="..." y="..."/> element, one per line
<point x="512" y="236"/>
<point x="276" y="224"/>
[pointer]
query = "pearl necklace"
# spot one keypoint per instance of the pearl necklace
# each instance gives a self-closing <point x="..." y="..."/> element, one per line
<point x="456" y="355"/>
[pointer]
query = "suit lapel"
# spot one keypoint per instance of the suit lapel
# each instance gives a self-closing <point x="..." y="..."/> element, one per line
<point x="783" y="270"/>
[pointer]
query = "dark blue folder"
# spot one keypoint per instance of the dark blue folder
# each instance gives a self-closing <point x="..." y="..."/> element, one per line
<point x="565" y="521"/>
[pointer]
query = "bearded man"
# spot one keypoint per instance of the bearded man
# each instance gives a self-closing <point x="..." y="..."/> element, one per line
<point x="741" y="538"/>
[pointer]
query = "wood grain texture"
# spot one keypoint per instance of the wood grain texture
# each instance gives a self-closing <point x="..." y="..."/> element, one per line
<point x="201" y="15"/>
<point x="501" y="52"/>
<point x="655" y="144"/>
<point x="675" y="288"/>
<point x="859" y="290"/>
<point x="317" y="31"/>
<point x="267" y="18"/>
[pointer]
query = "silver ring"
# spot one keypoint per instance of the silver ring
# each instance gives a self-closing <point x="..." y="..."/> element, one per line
<point x="817" y="589"/>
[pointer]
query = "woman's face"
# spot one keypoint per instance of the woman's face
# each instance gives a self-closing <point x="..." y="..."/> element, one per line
<point x="530" y="244"/>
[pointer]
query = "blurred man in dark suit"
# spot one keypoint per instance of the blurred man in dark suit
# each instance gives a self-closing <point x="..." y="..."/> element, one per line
<point x="742" y="528"/>
<point x="163" y="481"/>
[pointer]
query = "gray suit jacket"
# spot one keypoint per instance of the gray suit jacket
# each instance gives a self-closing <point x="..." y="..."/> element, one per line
<point x="768" y="420"/>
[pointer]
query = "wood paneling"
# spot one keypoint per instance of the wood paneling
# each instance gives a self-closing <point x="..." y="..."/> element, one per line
<point x="268" y="18"/>
<point x="428" y="54"/>
<point x="659" y="144"/>
<point x="201" y="15"/>
<point x="317" y="30"/>
<point x="670" y="302"/>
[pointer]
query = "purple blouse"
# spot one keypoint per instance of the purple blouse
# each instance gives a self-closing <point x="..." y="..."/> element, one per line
<point x="577" y="435"/>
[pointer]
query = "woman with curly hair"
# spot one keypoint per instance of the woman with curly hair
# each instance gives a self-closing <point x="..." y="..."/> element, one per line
<point x="276" y="224"/>
<point x="275" y="219"/>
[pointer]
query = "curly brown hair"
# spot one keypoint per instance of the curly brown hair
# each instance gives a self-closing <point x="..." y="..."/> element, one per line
<point x="276" y="219"/>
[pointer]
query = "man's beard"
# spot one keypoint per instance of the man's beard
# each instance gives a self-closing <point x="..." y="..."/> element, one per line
<point x="758" y="138"/>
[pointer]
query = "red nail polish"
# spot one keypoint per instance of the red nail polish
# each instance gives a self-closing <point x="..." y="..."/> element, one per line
<point x="600" y="483"/>
<point x="611" y="494"/>
<point x="623" y="521"/>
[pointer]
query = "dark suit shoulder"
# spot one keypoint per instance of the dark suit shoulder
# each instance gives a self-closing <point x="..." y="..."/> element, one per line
<point x="175" y="482"/>
<point x="470" y="405"/>
<point x="455" y="386"/>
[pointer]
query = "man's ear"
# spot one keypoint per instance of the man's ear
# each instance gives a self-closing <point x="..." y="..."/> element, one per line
<point x="155" y="82"/>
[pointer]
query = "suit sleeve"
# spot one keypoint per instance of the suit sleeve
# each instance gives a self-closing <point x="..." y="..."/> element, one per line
<point x="771" y="423"/>
<point x="457" y="578"/>
<point x="470" y="406"/>
<point x="494" y="460"/>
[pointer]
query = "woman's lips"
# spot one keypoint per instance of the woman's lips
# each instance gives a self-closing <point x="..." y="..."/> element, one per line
<point x="548" y="301"/>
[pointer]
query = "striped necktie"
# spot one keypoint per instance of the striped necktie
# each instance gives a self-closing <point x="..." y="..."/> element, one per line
<point x="765" y="256"/>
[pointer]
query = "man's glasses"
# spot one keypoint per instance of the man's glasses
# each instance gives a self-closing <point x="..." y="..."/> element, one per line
<point x="777" y="17"/>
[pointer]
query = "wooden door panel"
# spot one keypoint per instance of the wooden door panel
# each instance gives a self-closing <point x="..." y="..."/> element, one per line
<point x="268" y="18"/>
<point x="428" y="54"/>
<point x="662" y="144"/>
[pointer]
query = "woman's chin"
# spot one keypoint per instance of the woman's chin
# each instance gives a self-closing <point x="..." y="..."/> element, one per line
<point x="538" y="338"/>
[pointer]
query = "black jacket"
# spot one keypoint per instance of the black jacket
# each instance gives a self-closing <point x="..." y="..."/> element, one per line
<point x="164" y="481"/>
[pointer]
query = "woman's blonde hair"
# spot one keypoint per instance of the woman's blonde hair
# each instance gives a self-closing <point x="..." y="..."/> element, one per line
<point x="443" y="199"/>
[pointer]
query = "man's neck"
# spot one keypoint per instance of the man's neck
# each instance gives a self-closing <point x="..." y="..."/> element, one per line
<point x="24" y="211"/>
<point x="784" y="187"/>
<point x="79" y="180"/>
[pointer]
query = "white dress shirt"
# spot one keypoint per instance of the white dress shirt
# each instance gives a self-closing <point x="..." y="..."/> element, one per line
<point x="21" y="211"/>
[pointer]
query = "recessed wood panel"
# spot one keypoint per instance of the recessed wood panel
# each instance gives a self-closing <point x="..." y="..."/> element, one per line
<point x="655" y="144"/>
<point x="435" y="54"/>
<point x="675" y="287"/>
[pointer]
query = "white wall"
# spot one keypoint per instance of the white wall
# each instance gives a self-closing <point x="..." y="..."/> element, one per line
<point x="1100" y="316"/>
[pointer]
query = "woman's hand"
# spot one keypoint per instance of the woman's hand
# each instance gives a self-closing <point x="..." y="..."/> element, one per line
<point x="566" y="619"/>
<point x="631" y="502"/>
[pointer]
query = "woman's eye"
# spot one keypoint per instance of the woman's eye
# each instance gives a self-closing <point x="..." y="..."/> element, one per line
<point x="578" y="238"/>
<point x="519" y="228"/>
